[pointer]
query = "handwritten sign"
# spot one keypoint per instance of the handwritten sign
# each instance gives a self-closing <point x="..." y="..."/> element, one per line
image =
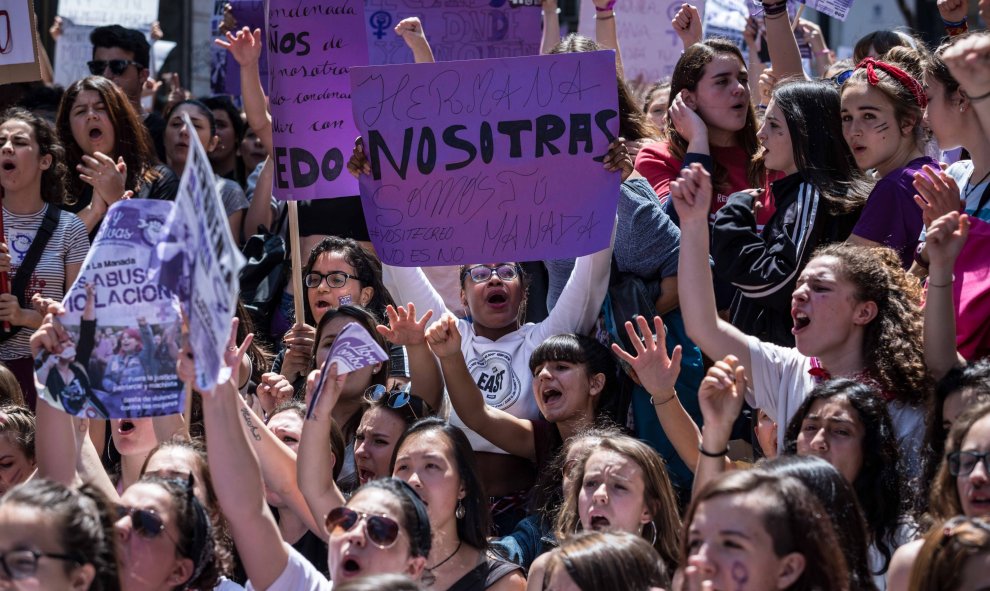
<point x="18" y="44"/>
<point x="488" y="160"/>
<point x="650" y="47"/>
<point x="353" y="349"/>
<point x="457" y="29"/>
<point x="72" y="50"/>
<point x="312" y="45"/>
<point x="250" y="14"/>
<point x="727" y="19"/>
<point x="199" y="261"/>
<point x="124" y="329"/>
<point x="133" y="14"/>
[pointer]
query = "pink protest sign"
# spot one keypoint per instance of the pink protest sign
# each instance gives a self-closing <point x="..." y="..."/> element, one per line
<point x="488" y="160"/>
<point x="457" y="29"/>
<point x="352" y="349"/>
<point x="312" y="44"/>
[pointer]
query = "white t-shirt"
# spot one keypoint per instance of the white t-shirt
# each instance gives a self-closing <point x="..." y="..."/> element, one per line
<point x="501" y="368"/>
<point x="226" y="584"/>
<point x="299" y="575"/>
<point x="781" y="382"/>
<point x="68" y="244"/>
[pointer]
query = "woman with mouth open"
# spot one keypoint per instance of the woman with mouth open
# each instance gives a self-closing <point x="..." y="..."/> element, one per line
<point x="855" y="313"/>
<point x="110" y="150"/>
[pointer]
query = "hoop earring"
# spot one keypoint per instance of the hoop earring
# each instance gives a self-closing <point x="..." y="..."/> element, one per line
<point x="460" y="511"/>
<point x="653" y="542"/>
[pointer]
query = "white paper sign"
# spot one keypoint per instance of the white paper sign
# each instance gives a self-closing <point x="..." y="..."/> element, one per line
<point x="133" y="14"/>
<point x="72" y="50"/>
<point x="16" y="41"/>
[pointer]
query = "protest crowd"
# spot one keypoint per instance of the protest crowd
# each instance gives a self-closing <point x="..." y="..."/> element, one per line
<point x="770" y="370"/>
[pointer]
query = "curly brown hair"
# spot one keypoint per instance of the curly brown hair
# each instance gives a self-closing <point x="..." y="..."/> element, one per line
<point x="132" y="140"/>
<point x="688" y="72"/>
<point x="53" y="180"/>
<point x="892" y="342"/>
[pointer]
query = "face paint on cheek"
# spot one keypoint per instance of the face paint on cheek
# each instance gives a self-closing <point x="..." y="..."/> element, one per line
<point x="344" y="300"/>
<point x="881" y="127"/>
<point x="740" y="575"/>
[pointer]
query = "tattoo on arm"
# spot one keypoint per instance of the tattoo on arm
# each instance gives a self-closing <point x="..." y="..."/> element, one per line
<point x="250" y="424"/>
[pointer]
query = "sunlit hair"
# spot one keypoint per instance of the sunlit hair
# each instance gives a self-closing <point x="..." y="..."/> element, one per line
<point x="945" y="501"/>
<point x="608" y="560"/>
<point x="658" y="495"/>
<point x="688" y="72"/>
<point x="892" y="342"/>
<point x="879" y="484"/>
<point x="881" y="42"/>
<point x="17" y="425"/>
<point x="10" y="388"/>
<point x="131" y="139"/>
<point x="793" y="518"/>
<point x="942" y="560"/>
<point x="53" y="180"/>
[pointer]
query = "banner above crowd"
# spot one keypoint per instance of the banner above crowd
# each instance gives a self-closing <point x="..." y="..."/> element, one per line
<point x="488" y="160"/>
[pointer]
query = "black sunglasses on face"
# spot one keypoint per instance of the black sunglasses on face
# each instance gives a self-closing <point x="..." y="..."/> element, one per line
<point x="23" y="564"/>
<point x="117" y="67"/>
<point x="146" y="522"/>
<point x="381" y="530"/>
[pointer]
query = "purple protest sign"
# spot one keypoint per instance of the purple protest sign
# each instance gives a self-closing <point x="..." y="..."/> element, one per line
<point x="311" y="46"/>
<point x="250" y="14"/>
<point x="488" y="160"/>
<point x="457" y="29"/>
<point x="352" y="349"/>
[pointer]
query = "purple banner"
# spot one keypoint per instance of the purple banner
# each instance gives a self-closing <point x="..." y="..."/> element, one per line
<point x="456" y="29"/>
<point x="251" y="14"/>
<point x="312" y="45"/>
<point x="488" y="160"/>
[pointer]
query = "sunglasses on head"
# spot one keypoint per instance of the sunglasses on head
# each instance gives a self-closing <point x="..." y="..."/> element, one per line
<point x="381" y="530"/>
<point x="840" y="78"/>
<point x="117" y="67"/>
<point x="482" y="273"/>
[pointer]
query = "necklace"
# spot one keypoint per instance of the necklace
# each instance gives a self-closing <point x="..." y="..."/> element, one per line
<point x="427" y="577"/>
<point x="970" y="187"/>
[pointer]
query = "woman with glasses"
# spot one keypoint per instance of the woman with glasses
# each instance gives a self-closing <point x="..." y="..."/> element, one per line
<point x="56" y="537"/>
<point x="961" y="487"/>
<point x="108" y="149"/>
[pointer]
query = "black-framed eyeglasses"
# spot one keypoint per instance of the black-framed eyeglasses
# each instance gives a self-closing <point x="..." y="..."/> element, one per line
<point x="333" y="278"/>
<point x="482" y="273"/>
<point x="146" y="522"/>
<point x="117" y="67"/>
<point x="840" y="78"/>
<point x="962" y="463"/>
<point x="381" y="530"/>
<point x="23" y="564"/>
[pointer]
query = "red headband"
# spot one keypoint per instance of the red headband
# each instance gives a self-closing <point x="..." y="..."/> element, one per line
<point x="906" y="80"/>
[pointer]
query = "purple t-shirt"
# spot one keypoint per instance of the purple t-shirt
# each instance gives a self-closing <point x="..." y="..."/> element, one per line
<point x="891" y="217"/>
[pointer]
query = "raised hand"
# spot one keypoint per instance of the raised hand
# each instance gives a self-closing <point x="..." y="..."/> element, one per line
<point x="969" y="63"/>
<point x="411" y="31"/>
<point x="245" y="46"/>
<point x="298" y="343"/>
<point x="358" y="163"/>
<point x="617" y="159"/>
<point x="953" y="11"/>
<point x="332" y="387"/>
<point x="403" y="328"/>
<point x="721" y="397"/>
<point x="692" y="193"/>
<point x="687" y="25"/>
<point x="654" y="370"/>
<point x="273" y="390"/>
<point x="938" y="194"/>
<point x="945" y="240"/>
<point x="444" y="338"/>
<point x="686" y="122"/>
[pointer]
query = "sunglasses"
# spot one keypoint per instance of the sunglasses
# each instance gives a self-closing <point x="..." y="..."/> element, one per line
<point x="146" y="522"/>
<point x="482" y="273"/>
<point x="840" y="78"/>
<point x="962" y="463"/>
<point x="117" y="67"/>
<point x="382" y="531"/>
<point x="333" y="279"/>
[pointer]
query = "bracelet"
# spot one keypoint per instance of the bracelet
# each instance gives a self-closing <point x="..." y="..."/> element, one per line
<point x="917" y="256"/>
<point x="599" y="17"/>
<point x="955" y="24"/>
<point x="707" y="454"/>
<point x="608" y="7"/>
<point x="930" y="284"/>
<point x="775" y="9"/>
<point x="973" y="99"/>
<point x="761" y="107"/>
<point x="672" y="396"/>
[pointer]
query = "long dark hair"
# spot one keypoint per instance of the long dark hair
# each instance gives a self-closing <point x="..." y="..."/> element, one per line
<point x="594" y="356"/>
<point x="878" y="485"/>
<point x="688" y="72"/>
<point x="366" y="265"/>
<point x="476" y="525"/>
<point x="633" y="123"/>
<point x="131" y="140"/>
<point x="53" y="180"/>
<point x="811" y="110"/>
<point x="839" y="501"/>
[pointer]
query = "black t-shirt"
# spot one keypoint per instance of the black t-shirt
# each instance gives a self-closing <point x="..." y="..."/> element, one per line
<point x="165" y="187"/>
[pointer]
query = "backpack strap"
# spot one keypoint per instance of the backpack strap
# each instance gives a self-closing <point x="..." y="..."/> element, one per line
<point x="26" y="269"/>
